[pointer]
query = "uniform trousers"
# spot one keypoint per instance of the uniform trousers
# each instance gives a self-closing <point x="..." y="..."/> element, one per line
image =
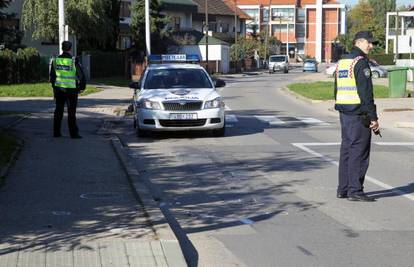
<point x="71" y="99"/>
<point x="354" y="154"/>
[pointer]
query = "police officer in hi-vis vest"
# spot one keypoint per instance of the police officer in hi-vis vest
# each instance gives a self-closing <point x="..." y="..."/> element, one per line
<point x="354" y="99"/>
<point x="68" y="80"/>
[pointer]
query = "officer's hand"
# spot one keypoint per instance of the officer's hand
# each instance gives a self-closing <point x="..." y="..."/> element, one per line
<point x="374" y="126"/>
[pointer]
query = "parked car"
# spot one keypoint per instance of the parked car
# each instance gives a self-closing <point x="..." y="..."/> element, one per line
<point x="278" y="63"/>
<point x="377" y="70"/>
<point x="310" y="65"/>
<point x="174" y="95"/>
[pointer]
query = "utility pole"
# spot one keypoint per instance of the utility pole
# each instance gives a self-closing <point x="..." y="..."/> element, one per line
<point x="147" y="27"/>
<point x="206" y="35"/>
<point x="396" y="38"/>
<point x="62" y="35"/>
<point x="268" y="31"/>
<point x="235" y="36"/>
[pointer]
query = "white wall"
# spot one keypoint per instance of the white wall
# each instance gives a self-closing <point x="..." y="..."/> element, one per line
<point x="215" y="52"/>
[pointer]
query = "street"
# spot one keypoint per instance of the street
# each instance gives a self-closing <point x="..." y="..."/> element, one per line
<point x="265" y="194"/>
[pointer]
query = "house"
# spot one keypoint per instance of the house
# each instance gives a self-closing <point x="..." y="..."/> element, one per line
<point x="404" y="33"/>
<point x="305" y="27"/>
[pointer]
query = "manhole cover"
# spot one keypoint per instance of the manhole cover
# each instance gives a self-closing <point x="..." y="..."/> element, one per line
<point x="101" y="195"/>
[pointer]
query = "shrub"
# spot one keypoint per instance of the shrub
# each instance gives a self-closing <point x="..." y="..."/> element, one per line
<point x="107" y="64"/>
<point x="20" y="67"/>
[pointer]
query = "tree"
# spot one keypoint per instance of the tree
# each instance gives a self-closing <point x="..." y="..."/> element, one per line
<point x="94" y="22"/>
<point x="369" y="15"/>
<point x="10" y="35"/>
<point x="159" y="31"/>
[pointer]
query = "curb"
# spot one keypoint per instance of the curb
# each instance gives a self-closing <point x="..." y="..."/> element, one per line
<point x="169" y="242"/>
<point x="403" y="124"/>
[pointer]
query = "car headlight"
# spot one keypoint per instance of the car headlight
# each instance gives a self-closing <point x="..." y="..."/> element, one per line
<point x="215" y="103"/>
<point x="148" y="104"/>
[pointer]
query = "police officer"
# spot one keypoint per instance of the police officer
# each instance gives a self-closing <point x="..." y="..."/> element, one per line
<point x="354" y="100"/>
<point x="68" y="80"/>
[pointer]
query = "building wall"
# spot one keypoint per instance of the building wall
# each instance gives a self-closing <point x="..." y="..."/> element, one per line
<point x="303" y="34"/>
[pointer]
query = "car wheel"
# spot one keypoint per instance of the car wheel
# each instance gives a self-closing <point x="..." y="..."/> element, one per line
<point x="375" y="74"/>
<point x="141" y="132"/>
<point x="219" y="132"/>
<point x="286" y="71"/>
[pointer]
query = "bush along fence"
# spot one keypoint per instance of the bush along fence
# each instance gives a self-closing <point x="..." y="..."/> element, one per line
<point x="23" y="66"/>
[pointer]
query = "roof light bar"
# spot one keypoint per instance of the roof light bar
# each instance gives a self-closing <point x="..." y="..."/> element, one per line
<point x="173" y="58"/>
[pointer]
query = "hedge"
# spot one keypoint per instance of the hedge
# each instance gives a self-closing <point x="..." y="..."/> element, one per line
<point x="387" y="59"/>
<point x="23" y="66"/>
<point x="107" y="64"/>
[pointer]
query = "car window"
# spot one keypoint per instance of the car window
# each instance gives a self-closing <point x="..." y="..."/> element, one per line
<point x="176" y="78"/>
<point x="277" y="58"/>
<point x="373" y="64"/>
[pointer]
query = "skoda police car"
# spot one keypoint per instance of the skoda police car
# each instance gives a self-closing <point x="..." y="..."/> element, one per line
<point x="175" y="95"/>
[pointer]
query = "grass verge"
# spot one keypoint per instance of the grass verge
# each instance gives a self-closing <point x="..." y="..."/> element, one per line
<point x="325" y="90"/>
<point x="35" y="90"/>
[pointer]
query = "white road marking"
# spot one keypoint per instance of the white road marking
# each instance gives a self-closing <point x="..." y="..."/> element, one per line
<point x="231" y="118"/>
<point x="312" y="121"/>
<point x="227" y="108"/>
<point x="394" y="143"/>
<point x="304" y="147"/>
<point x="272" y="120"/>
<point x="247" y="221"/>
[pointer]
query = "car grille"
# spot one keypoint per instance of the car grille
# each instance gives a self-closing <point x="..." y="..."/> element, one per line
<point x="185" y="105"/>
<point x="182" y="123"/>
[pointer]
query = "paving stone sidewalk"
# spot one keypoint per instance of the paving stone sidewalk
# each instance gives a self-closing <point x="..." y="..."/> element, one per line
<point x="68" y="202"/>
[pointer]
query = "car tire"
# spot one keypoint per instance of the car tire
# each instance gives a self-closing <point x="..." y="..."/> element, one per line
<point x="140" y="132"/>
<point x="286" y="71"/>
<point x="375" y="74"/>
<point x="219" y="132"/>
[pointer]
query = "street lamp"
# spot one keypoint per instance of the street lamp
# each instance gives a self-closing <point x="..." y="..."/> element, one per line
<point x="147" y="27"/>
<point x="206" y="27"/>
<point x="235" y="36"/>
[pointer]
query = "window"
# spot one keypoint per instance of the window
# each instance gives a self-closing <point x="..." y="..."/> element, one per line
<point x="276" y="28"/>
<point x="176" y="78"/>
<point x="283" y="13"/>
<point x="125" y="9"/>
<point x="253" y="13"/>
<point x="301" y="15"/>
<point x="265" y="15"/>
<point x="176" y="22"/>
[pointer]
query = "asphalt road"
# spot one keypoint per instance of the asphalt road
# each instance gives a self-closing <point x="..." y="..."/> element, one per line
<point x="264" y="195"/>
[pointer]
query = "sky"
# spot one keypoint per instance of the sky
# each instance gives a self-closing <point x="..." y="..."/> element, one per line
<point x="399" y="2"/>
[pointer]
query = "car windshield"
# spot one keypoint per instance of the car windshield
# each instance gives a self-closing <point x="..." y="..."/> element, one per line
<point x="310" y="61"/>
<point x="176" y="78"/>
<point x="277" y="59"/>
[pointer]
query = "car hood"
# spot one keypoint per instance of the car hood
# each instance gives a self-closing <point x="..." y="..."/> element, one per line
<point x="179" y="94"/>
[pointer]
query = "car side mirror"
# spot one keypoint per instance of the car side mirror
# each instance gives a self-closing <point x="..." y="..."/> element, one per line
<point x="220" y="83"/>
<point x="135" y="85"/>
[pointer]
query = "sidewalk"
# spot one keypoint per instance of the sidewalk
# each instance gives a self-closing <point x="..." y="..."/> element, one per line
<point x="69" y="202"/>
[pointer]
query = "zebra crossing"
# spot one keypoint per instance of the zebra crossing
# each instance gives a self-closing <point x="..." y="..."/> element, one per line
<point x="273" y="120"/>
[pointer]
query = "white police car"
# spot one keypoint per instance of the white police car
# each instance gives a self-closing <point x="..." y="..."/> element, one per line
<point x="174" y="95"/>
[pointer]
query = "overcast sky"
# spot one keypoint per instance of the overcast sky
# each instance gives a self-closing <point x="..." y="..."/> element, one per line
<point x="399" y="2"/>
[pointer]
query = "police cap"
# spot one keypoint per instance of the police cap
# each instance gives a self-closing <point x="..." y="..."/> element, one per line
<point x="66" y="45"/>
<point x="367" y="35"/>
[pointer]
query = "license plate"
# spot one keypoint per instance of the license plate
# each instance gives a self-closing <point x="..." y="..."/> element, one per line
<point x="183" y="116"/>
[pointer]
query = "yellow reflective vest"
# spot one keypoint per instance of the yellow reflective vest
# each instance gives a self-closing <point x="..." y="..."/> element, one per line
<point x="347" y="91"/>
<point x="65" y="72"/>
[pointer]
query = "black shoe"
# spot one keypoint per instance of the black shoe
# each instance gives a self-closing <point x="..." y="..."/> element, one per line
<point x="76" y="136"/>
<point x="362" y="197"/>
<point x="57" y="135"/>
<point x="341" y="195"/>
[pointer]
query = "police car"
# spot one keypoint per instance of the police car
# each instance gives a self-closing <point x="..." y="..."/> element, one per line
<point x="174" y="94"/>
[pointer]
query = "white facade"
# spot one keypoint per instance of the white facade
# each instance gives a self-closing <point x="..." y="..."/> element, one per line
<point x="404" y="33"/>
<point x="218" y="53"/>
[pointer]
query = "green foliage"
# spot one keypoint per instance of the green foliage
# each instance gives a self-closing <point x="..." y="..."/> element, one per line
<point x="368" y="15"/>
<point x="94" y="22"/>
<point x="4" y="4"/>
<point x="159" y="33"/>
<point x="246" y="46"/>
<point x="23" y="66"/>
<point x="35" y="90"/>
<point x="325" y="90"/>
